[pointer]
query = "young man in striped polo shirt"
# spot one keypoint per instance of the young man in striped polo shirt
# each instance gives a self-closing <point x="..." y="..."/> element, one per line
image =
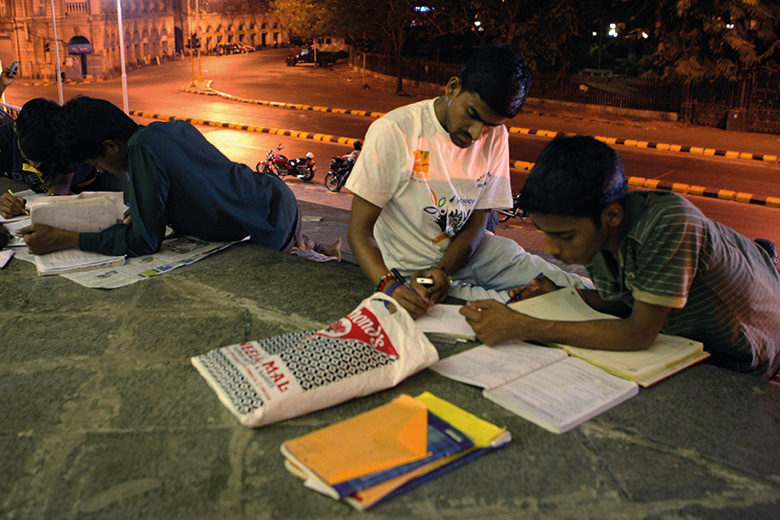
<point x="656" y="260"/>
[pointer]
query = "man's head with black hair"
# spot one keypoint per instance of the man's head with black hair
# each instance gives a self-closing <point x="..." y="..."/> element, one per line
<point x="575" y="176"/>
<point x="575" y="194"/>
<point x="95" y="131"/>
<point x="501" y="77"/>
<point x="491" y="87"/>
<point x="35" y="130"/>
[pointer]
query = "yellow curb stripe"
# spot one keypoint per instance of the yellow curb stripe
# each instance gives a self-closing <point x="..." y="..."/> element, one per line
<point x="640" y="182"/>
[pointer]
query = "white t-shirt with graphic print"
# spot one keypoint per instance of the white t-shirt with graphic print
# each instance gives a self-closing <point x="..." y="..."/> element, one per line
<point x="426" y="186"/>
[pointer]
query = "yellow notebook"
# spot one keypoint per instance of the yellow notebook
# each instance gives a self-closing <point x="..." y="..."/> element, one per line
<point x="484" y="434"/>
<point x="665" y="357"/>
<point x="382" y="438"/>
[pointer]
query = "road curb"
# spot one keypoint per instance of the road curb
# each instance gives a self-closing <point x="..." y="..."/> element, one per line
<point x="728" y="195"/>
<point x="701" y="191"/>
<point x="633" y="143"/>
<point x="685" y="189"/>
<point x="249" y="128"/>
<point x="279" y="104"/>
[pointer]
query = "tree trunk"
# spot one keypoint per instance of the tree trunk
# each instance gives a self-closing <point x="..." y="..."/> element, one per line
<point x="399" y="74"/>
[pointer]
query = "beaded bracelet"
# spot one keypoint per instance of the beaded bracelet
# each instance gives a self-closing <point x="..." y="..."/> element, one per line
<point x="380" y="286"/>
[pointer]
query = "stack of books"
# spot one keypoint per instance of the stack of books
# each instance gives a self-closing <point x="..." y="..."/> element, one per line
<point x="374" y="456"/>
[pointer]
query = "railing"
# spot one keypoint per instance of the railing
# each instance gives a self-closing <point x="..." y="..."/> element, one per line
<point x="77" y="7"/>
<point x="11" y="110"/>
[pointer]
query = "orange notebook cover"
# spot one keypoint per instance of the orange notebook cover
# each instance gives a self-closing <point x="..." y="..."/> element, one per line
<point x="390" y="435"/>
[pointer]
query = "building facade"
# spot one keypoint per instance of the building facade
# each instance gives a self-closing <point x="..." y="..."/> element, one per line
<point x="154" y="31"/>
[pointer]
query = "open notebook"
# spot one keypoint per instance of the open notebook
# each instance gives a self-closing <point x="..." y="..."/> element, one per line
<point x="666" y="356"/>
<point x="86" y="212"/>
<point x="540" y="384"/>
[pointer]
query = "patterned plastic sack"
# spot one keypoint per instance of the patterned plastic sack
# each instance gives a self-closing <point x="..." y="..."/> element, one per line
<point x="375" y="347"/>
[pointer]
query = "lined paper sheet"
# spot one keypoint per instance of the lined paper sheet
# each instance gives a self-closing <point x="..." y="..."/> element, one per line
<point x="444" y="318"/>
<point x="489" y="367"/>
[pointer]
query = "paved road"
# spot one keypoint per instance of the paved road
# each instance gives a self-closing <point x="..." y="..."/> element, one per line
<point x="264" y="76"/>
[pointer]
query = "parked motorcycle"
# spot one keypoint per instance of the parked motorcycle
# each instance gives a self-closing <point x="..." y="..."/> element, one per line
<point x="341" y="167"/>
<point x="338" y="172"/>
<point x="515" y="212"/>
<point x="279" y="165"/>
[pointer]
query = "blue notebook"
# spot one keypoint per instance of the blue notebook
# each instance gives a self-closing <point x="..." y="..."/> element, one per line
<point x="443" y="440"/>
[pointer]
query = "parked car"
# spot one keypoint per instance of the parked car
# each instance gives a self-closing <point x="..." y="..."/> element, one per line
<point x="245" y="47"/>
<point x="307" y="55"/>
<point x="226" y="48"/>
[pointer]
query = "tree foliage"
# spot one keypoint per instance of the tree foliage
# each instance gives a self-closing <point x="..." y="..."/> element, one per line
<point x="691" y="39"/>
<point x="309" y="18"/>
<point x="706" y="39"/>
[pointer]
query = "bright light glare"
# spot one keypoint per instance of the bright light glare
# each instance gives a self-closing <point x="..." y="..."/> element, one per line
<point x="594" y="33"/>
<point x="645" y="35"/>
<point x="729" y="26"/>
<point x="477" y="23"/>
<point x="423" y="9"/>
<point x="613" y="30"/>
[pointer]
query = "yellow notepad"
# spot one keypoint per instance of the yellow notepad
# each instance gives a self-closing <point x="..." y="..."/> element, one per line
<point x="390" y="435"/>
<point x="483" y="433"/>
<point x="665" y="357"/>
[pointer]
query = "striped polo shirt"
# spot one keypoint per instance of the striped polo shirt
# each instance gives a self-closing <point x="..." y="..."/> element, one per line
<point x="722" y="288"/>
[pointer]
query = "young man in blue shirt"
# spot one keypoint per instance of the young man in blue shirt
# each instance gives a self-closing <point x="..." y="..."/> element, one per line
<point x="177" y="178"/>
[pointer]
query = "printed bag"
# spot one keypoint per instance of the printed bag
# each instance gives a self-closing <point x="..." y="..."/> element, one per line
<point x="373" y="348"/>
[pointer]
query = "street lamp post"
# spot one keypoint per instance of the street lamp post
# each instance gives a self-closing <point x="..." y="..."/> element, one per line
<point x="197" y="32"/>
<point x="58" y="68"/>
<point x="122" y="55"/>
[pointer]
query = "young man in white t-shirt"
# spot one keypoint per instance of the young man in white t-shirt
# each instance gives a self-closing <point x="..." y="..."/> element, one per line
<point x="425" y="183"/>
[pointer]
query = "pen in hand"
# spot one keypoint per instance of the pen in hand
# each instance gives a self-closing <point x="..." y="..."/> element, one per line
<point x="516" y="297"/>
<point x="15" y="196"/>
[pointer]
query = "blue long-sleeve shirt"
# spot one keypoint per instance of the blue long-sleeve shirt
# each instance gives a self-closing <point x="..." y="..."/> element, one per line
<point x="178" y="178"/>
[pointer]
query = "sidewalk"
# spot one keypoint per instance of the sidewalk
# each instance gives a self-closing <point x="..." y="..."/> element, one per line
<point x="105" y="418"/>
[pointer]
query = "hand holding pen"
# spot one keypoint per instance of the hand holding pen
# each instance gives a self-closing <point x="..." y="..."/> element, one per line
<point x="539" y="285"/>
<point x="12" y="205"/>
